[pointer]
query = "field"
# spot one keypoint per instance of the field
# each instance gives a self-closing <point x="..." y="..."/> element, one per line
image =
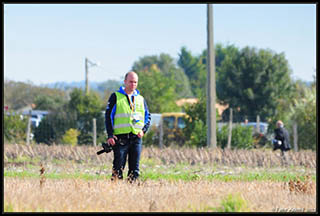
<point x="40" y="178"/>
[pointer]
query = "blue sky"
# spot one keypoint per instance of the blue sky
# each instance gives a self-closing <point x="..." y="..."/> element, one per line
<point x="45" y="43"/>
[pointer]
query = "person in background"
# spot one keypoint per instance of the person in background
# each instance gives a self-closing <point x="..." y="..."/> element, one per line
<point x="127" y="119"/>
<point x="281" y="138"/>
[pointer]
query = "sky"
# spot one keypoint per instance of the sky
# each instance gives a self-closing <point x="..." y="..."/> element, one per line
<point x="47" y="43"/>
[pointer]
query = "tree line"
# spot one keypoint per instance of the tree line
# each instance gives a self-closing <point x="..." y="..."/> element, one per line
<point x="251" y="81"/>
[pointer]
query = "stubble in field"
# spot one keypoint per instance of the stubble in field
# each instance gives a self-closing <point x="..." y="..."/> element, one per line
<point x="76" y="195"/>
<point x="40" y="178"/>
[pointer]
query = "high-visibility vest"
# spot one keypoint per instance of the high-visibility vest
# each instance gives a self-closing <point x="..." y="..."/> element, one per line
<point x="127" y="120"/>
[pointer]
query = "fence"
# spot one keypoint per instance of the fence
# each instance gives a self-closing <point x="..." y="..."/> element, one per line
<point x="92" y="134"/>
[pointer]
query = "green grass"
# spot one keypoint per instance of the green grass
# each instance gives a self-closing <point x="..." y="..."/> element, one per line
<point x="154" y="170"/>
<point x="24" y="159"/>
<point x="171" y="176"/>
<point x="262" y="176"/>
<point x="8" y="207"/>
<point x="279" y="177"/>
<point x="78" y="175"/>
<point x="229" y="203"/>
<point x="174" y="173"/>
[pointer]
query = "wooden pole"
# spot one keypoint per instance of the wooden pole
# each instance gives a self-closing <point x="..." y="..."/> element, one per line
<point x="230" y="130"/>
<point x="161" y="133"/>
<point x="258" y="124"/>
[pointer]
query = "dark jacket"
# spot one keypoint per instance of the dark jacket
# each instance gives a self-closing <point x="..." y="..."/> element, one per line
<point x="283" y="135"/>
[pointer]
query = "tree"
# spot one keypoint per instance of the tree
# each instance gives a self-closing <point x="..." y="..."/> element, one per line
<point x="14" y="129"/>
<point x="303" y="112"/>
<point x="195" y="131"/>
<point x="158" y="90"/>
<point x="44" y="102"/>
<point x="86" y="108"/>
<point x="253" y="81"/>
<point x="194" y="68"/>
<point x="19" y="94"/>
<point x="165" y="64"/>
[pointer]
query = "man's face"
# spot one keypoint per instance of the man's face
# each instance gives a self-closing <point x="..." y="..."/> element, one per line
<point x="131" y="82"/>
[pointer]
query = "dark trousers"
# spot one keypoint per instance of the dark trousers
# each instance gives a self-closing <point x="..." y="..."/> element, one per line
<point x="128" y="145"/>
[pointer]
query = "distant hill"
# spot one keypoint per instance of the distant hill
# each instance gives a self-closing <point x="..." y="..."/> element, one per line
<point x="68" y="85"/>
<point x="110" y="85"/>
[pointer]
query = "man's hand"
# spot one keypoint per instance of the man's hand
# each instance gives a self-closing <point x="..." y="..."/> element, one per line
<point x="140" y="134"/>
<point x="112" y="141"/>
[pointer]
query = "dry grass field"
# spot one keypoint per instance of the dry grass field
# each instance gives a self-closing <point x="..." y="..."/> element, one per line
<point x="75" y="179"/>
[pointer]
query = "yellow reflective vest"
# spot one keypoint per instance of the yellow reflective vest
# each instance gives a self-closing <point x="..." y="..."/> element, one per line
<point x="128" y="120"/>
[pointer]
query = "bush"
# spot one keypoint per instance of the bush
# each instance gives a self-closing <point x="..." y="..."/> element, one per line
<point x="14" y="127"/>
<point x="241" y="137"/>
<point x="54" y="126"/>
<point x="198" y="135"/>
<point x="233" y="203"/>
<point x="71" y="137"/>
<point x="304" y="113"/>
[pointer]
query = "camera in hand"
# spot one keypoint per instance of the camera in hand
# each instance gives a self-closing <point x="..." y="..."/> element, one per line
<point x="106" y="148"/>
<point x="276" y="144"/>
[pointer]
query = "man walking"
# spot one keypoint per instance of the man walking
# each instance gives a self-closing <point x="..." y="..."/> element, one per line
<point x="127" y="119"/>
<point x="282" y="139"/>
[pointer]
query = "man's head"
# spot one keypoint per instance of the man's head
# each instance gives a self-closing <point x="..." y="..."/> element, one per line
<point x="130" y="82"/>
<point x="279" y="124"/>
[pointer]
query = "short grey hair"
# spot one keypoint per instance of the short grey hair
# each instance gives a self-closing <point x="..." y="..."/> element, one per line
<point x="280" y="123"/>
<point x="125" y="77"/>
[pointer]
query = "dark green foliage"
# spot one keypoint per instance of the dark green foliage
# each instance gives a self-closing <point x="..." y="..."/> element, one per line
<point x="195" y="132"/>
<point x="87" y="107"/>
<point x="195" y="69"/>
<point x="44" y="102"/>
<point x="303" y="112"/>
<point x="198" y="136"/>
<point x="253" y="80"/>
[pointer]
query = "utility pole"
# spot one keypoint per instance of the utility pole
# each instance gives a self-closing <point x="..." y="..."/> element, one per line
<point x="87" y="78"/>
<point x="87" y="72"/>
<point x="211" y="83"/>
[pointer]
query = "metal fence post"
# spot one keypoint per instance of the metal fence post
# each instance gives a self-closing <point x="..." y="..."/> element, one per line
<point x="94" y="132"/>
